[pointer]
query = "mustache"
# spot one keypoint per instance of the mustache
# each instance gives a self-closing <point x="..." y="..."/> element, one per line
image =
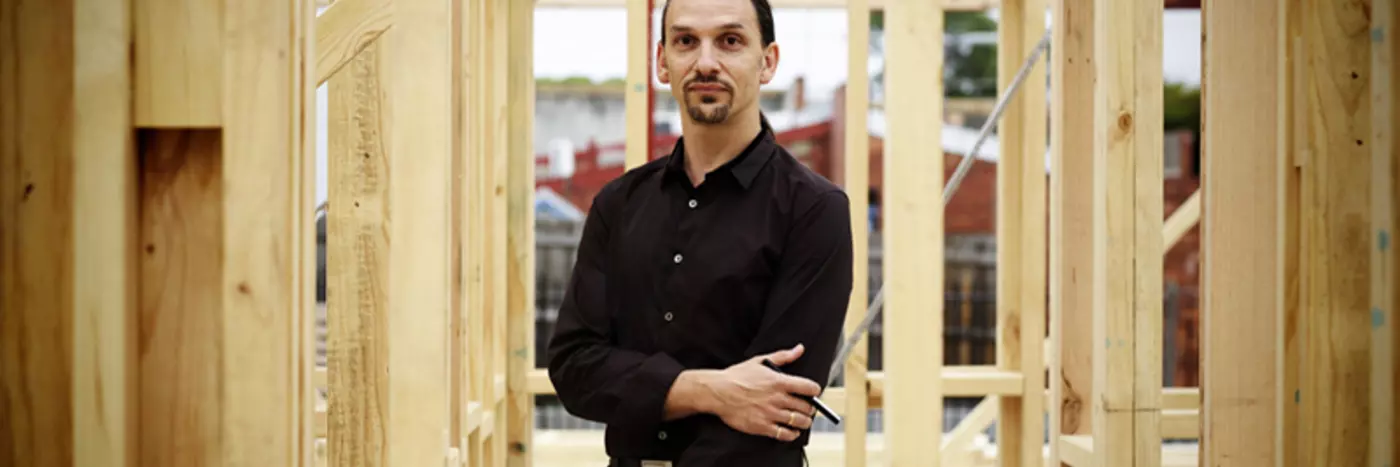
<point x="708" y="80"/>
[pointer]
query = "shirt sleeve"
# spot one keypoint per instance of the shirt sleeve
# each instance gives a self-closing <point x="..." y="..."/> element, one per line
<point x="807" y="305"/>
<point x="593" y="378"/>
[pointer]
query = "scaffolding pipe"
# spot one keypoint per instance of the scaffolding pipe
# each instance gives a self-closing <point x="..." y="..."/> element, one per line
<point x="839" y="364"/>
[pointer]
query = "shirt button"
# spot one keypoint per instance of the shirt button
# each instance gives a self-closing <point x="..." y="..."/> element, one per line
<point x="668" y="316"/>
<point x="678" y="258"/>
<point x="661" y="436"/>
<point x="693" y="204"/>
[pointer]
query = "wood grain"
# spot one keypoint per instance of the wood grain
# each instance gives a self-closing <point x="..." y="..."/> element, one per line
<point x="914" y="280"/>
<point x="36" y="233"/>
<point x="1240" y="240"/>
<point x="1071" y="214"/>
<point x="181" y="330"/>
<point x="357" y="251"/>
<point x="1335" y="210"/>
<point x="179" y="63"/>
<point x="106" y="230"/>
<point x="520" y="247"/>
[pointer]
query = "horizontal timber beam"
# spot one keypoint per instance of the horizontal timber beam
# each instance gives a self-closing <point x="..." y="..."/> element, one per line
<point x="950" y="5"/>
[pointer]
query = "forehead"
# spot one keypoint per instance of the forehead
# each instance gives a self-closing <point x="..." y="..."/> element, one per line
<point x="710" y="14"/>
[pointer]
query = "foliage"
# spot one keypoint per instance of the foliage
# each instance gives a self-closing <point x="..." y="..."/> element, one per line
<point x="1182" y="107"/>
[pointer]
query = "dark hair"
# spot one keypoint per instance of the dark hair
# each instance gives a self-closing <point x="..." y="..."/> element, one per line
<point x="761" y="9"/>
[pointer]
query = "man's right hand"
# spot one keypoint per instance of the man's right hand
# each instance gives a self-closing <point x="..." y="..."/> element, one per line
<point x="754" y="399"/>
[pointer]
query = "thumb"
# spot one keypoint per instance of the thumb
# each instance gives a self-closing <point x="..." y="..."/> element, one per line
<point x="786" y="356"/>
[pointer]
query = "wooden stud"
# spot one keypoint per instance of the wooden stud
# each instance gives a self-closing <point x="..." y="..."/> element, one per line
<point x="1384" y="158"/>
<point x="1293" y="151"/>
<point x="357" y="260"/>
<point x="419" y="184"/>
<point x="1072" y="68"/>
<point x="520" y="274"/>
<point x="497" y="227"/>
<point x="636" y="99"/>
<point x="1021" y="256"/>
<point x="264" y="385"/>
<point x="1334" y="215"/>
<point x="914" y="228"/>
<point x="1127" y="233"/>
<point x="1239" y="369"/>
<point x="179" y="64"/>
<point x="105" y="231"/>
<point x="876" y="5"/>
<point x="346" y="28"/>
<point x="37" y="235"/>
<point x="856" y="180"/>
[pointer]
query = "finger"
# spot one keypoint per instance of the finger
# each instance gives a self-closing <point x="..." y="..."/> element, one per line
<point x="783" y="434"/>
<point x="801" y="386"/>
<point x="785" y="356"/>
<point x="799" y="406"/>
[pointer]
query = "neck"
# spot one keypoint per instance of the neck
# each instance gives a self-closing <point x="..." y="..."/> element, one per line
<point x="709" y="146"/>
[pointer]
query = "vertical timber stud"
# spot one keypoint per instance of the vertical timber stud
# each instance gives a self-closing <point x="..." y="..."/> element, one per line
<point x="420" y="131"/>
<point x="1293" y="140"/>
<point x="1020" y="226"/>
<point x="1383" y="205"/>
<point x="520" y="246"/>
<point x="1127" y="317"/>
<point x="105" y="231"/>
<point x="267" y="214"/>
<point x="497" y="228"/>
<point x="36" y="232"/>
<point x="357" y="254"/>
<point x="178" y="69"/>
<point x="1240" y="374"/>
<point x="1072" y="69"/>
<point x="1337" y="232"/>
<point x="914" y="230"/>
<point x="638" y="82"/>
<point x="857" y="183"/>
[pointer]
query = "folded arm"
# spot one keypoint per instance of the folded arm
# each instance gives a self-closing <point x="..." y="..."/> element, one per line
<point x="806" y="306"/>
<point x="593" y="378"/>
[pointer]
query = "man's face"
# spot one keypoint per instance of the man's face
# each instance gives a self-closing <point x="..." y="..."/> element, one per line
<point x="714" y="57"/>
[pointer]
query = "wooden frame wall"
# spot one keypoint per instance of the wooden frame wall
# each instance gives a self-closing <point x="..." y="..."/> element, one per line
<point x="178" y="204"/>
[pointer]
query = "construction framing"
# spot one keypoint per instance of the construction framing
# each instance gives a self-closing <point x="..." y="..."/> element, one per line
<point x="157" y="236"/>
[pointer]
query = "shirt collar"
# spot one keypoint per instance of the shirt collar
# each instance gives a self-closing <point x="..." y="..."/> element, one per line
<point x="744" y="168"/>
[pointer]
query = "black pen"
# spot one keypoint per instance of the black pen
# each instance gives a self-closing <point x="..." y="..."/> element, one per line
<point x="821" y="407"/>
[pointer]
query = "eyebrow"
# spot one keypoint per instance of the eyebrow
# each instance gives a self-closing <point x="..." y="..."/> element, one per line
<point x="682" y="28"/>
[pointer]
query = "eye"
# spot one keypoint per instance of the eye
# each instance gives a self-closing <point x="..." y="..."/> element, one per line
<point x="732" y="40"/>
<point x="684" y="40"/>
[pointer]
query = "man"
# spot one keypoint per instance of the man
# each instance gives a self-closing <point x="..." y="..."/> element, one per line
<point x="695" y="267"/>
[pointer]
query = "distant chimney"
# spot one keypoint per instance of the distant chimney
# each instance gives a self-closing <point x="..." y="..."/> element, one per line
<point x="799" y="91"/>
<point x="561" y="158"/>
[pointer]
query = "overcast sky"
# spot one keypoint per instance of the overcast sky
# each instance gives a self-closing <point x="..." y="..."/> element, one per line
<point x="593" y="42"/>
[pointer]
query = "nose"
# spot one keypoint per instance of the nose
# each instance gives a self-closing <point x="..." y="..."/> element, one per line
<point x="708" y="63"/>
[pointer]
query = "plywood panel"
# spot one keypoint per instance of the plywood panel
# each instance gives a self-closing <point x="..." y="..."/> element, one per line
<point x="1241" y="325"/>
<point x="1335" y="211"/>
<point x="179" y="62"/>
<point x="36" y="233"/>
<point x="181" y="306"/>
<point x="914" y="228"/>
<point x="357" y="253"/>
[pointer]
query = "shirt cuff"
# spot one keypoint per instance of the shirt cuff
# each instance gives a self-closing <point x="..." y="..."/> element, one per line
<point x="644" y="396"/>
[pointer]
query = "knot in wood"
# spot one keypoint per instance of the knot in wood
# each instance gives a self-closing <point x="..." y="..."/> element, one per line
<point x="1125" y="121"/>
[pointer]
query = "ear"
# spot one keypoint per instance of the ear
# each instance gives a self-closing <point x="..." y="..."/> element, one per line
<point x="770" y="63"/>
<point x="663" y="72"/>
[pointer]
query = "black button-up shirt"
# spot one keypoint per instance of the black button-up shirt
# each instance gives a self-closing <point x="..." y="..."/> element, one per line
<point x="671" y="276"/>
